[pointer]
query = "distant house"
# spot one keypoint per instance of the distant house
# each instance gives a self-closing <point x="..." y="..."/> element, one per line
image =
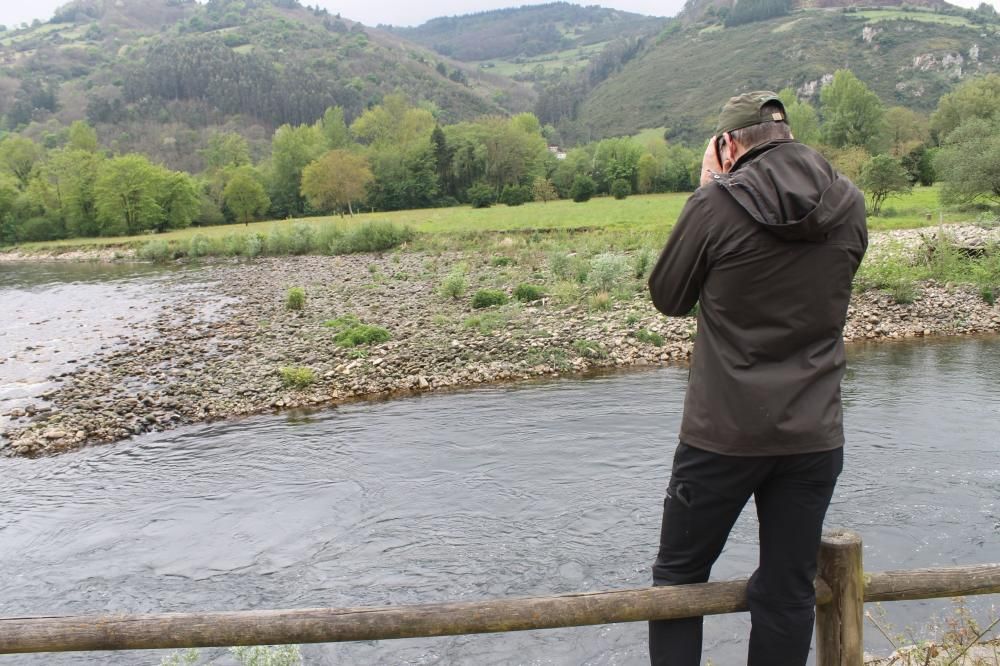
<point x="558" y="152"/>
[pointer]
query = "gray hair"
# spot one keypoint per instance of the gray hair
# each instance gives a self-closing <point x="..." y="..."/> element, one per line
<point x="754" y="135"/>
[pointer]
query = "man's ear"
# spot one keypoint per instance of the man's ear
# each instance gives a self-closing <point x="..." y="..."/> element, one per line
<point x="729" y="155"/>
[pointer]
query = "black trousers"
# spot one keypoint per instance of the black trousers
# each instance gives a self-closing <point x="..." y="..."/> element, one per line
<point x="706" y="494"/>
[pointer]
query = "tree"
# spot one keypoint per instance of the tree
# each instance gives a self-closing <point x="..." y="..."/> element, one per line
<point x="919" y="165"/>
<point x="881" y="178"/>
<point x="393" y="123"/>
<point x="125" y="194"/>
<point x="543" y="190"/>
<point x="852" y="114"/>
<point x="646" y="172"/>
<point x="245" y="196"/>
<point x="802" y="117"/>
<point x="481" y="195"/>
<point x="975" y="98"/>
<point x="18" y="156"/>
<point x="905" y="130"/>
<point x="292" y="149"/>
<point x="227" y="149"/>
<point x="335" y="129"/>
<point x="583" y="188"/>
<point x="335" y="180"/>
<point x="443" y="154"/>
<point x="71" y="175"/>
<point x="177" y="198"/>
<point x="620" y="189"/>
<point x="848" y="161"/>
<point x="616" y="159"/>
<point x="82" y="136"/>
<point x="969" y="162"/>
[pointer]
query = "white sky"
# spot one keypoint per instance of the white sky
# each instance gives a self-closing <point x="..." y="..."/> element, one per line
<point x="395" y="12"/>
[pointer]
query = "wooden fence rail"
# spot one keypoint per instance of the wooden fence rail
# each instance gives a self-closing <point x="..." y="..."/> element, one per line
<point x="841" y="588"/>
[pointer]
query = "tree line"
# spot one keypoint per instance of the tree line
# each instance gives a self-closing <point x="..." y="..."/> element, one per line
<point x="396" y="155"/>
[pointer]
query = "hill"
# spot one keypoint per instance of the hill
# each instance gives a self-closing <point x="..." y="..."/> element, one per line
<point x="156" y="76"/>
<point x="527" y="32"/>
<point x="680" y="79"/>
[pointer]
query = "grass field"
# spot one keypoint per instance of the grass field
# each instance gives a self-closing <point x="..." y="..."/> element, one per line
<point x="638" y="219"/>
<point x="899" y="15"/>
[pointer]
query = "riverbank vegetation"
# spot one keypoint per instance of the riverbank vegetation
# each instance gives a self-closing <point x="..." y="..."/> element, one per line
<point x="398" y="157"/>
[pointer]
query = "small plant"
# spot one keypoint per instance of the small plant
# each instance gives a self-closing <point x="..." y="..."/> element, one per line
<point x="485" y="298"/>
<point x="632" y="319"/>
<point x="607" y="271"/>
<point x="903" y="292"/>
<point x="454" y="285"/>
<point x="590" y="349"/>
<point x="187" y="657"/>
<point x="620" y="189"/>
<point x="361" y="334"/>
<point x="649" y="337"/>
<point x="560" y="264"/>
<point x="641" y="264"/>
<point x="267" y="655"/>
<point x="527" y="293"/>
<point x="501" y="260"/>
<point x="600" y="301"/>
<point x="297" y="377"/>
<point x="157" y="251"/>
<point x="486" y="322"/>
<point x="989" y="295"/>
<point x="296" y="299"/>
<point x="566" y="292"/>
<point x="199" y="246"/>
<point x="343" y="321"/>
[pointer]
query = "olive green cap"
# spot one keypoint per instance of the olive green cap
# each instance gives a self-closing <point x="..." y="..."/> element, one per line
<point x="744" y="110"/>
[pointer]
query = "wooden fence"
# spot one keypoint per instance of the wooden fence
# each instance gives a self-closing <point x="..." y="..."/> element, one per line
<point x="842" y="587"/>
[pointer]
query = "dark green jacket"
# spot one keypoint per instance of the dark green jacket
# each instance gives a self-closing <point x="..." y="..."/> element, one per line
<point x="769" y="252"/>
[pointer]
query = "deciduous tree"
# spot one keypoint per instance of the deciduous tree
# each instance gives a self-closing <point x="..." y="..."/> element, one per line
<point x="852" y="114"/>
<point x="333" y="181"/>
<point x="245" y="196"/>
<point x="881" y="178"/>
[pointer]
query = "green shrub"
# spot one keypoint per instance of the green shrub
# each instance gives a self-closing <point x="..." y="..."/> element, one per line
<point x="157" y="251"/>
<point x="297" y="377"/>
<point x="343" y="321"/>
<point x="487" y="322"/>
<point x="642" y="263"/>
<point x="375" y="236"/>
<point x="361" y="334"/>
<point x="903" y="292"/>
<point x="300" y="239"/>
<point x="527" y="293"/>
<point x="254" y="245"/>
<point x="454" y="285"/>
<point x="620" y="189"/>
<point x="632" y="319"/>
<point x="649" y="337"/>
<point x="515" y="195"/>
<point x="988" y="294"/>
<point x="199" y="246"/>
<point x="481" y="195"/>
<point x="582" y="189"/>
<point x="500" y="261"/>
<point x="267" y="655"/>
<point x="566" y="292"/>
<point x="485" y="298"/>
<point x="559" y="264"/>
<point x="607" y="271"/>
<point x="590" y="349"/>
<point x="296" y="299"/>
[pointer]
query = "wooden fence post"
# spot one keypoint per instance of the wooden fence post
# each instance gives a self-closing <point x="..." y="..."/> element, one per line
<point x="839" y="624"/>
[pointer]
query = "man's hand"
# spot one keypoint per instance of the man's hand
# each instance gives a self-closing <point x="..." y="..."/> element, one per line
<point x="710" y="163"/>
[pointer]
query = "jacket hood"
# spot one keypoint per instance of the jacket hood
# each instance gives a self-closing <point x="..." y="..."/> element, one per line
<point x="791" y="190"/>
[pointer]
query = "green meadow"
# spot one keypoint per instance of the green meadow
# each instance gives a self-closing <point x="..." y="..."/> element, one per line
<point x="634" y="221"/>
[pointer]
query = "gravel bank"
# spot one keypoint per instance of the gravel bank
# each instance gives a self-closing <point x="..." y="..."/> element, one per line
<point x="184" y="368"/>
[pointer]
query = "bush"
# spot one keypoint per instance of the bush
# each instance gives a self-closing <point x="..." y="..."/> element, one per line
<point x="481" y="195"/>
<point x="267" y="655"/>
<point x="642" y="263"/>
<point x="300" y="240"/>
<point x="361" y="334"/>
<point x="454" y="285"/>
<point x="583" y="188"/>
<point x="607" y="271"/>
<point x="515" y="195"/>
<point x="590" y="349"/>
<point x="620" y="189"/>
<point x="559" y="264"/>
<point x="157" y="251"/>
<point x="526" y="293"/>
<point x="501" y="260"/>
<point x="485" y="298"/>
<point x="296" y="299"/>
<point x="297" y="377"/>
<point x="254" y="245"/>
<point x="199" y="246"/>
<point x="649" y="337"/>
<point x="600" y="301"/>
<point x="376" y="236"/>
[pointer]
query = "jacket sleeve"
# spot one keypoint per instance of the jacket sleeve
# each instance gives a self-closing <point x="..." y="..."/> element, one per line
<point x="676" y="280"/>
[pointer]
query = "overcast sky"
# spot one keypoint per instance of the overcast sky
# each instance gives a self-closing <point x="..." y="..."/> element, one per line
<point x="396" y="12"/>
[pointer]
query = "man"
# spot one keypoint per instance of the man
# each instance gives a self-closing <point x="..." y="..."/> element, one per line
<point x="768" y="247"/>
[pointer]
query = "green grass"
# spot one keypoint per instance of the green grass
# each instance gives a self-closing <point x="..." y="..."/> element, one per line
<point x="874" y="15"/>
<point x="639" y="221"/>
<point x="297" y="377"/>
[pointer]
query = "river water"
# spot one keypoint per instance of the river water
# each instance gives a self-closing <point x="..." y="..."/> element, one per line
<point x="521" y="490"/>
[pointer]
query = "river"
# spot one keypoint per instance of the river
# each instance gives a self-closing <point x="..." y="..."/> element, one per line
<point x="520" y="490"/>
